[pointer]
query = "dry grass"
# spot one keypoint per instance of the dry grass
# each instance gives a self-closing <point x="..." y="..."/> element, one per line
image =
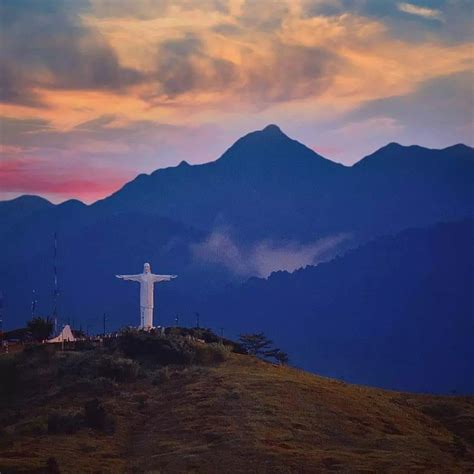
<point x="249" y="416"/>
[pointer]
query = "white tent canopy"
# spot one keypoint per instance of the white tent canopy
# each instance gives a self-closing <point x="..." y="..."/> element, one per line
<point x="64" y="336"/>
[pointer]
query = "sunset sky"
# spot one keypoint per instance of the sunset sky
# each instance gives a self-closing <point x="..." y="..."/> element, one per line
<point x="95" y="92"/>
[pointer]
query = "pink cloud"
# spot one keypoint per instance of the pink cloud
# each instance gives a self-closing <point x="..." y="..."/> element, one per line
<point x="24" y="176"/>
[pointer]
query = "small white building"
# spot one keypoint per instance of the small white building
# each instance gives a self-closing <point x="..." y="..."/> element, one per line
<point x="65" y="335"/>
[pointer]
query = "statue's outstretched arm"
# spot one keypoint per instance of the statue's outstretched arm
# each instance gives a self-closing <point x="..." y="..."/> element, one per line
<point x="164" y="277"/>
<point x="129" y="277"/>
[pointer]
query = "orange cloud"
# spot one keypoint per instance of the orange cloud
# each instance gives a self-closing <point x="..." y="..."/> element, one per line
<point x="168" y="69"/>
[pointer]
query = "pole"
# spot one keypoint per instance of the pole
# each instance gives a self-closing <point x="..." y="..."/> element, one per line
<point x="34" y="301"/>
<point x="104" y="319"/>
<point x="1" y="314"/>
<point x="55" y="281"/>
<point x="197" y="320"/>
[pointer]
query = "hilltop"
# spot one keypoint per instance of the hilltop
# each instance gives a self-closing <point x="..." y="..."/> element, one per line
<point x="101" y="410"/>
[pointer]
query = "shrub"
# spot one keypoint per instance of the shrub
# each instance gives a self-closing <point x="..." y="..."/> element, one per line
<point x="171" y="349"/>
<point x="161" y="376"/>
<point x="208" y="354"/>
<point x="9" y="376"/>
<point x="93" y="386"/>
<point x="64" y="423"/>
<point x="37" y="355"/>
<point x="459" y="447"/>
<point x="9" y="416"/>
<point x="141" y="400"/>
<point x="97" y="418"/>
<point x="40" y="328"/>
<point x="6" y="438"/>
<point x="32" y="427"/>
<point x="35" y="349"/>
<point x="95" y="364"/>
<point x="71" y="363"/>
<point x="207" y="336"/>
<point x="86" y="345"/>
<point x="164" y="350"/>
<point x="117" y="368"/>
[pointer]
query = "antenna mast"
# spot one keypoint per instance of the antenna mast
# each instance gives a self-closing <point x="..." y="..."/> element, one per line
<point x="1" y="313"/>
<point x="34" y="302"/>
<point x="56" y="290"/>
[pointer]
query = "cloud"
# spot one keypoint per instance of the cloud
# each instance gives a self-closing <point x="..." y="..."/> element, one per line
<point x="424" y="12"/>
<point x="15" y="87"/>
<point x="107" y="149"/>
<point x="265" y="257"/>
<point x="131" y="86"/>
<point x="45" y="45"/>
<point x="184" y="66"/>
<point x="438" y="112"/>
<point x="146" y="9"/>
<point x="26" y="175"/>
<point x="288" y="72"/>
<point x="13" y="130"/>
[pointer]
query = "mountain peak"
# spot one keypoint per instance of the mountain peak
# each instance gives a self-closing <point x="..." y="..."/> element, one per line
<point x="272" y="128"/>
<point x="270" y="148"/>
<point x="30" y="199"/>
<point x="392" y="146"/>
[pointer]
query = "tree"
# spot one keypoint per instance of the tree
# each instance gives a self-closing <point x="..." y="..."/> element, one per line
<point x="259" y="345"/>
<point x="255" y="344"/>
<point x="277" y="354"/>
<point x="40" y="328"/>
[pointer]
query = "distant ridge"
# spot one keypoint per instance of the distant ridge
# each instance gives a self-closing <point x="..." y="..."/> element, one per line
<point x="415" y="154"/>
<point x="16" y="210"/>
<point x="395" y="312"/>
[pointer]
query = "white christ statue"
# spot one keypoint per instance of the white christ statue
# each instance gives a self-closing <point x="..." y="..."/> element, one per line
<point x="147" y="281"/>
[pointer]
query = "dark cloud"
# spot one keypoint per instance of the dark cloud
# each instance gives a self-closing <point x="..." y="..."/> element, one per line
<point x="14" y="86"/>
<point x="441" y="108"/>
<point x="282" y="72"/>
<point x="94" y="124"/>
<point x="183" y="66"/>
<point x="291" y="72"/>
<point x="147" y="9"/>
<point x="38" y="133"/>
<point x="45" y="44"/>
<point x="227" y="29"/>
<point x="263" y="16"/>
<point x="14" y="130"/>
<point x="453" y="24"/>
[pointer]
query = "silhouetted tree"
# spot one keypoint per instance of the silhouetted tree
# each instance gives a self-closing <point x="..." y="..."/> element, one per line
<point x="255" y="344"/>
<point x="40" y="328"/>
<point x="277" y="354"/>
<point x="258" y="344"/>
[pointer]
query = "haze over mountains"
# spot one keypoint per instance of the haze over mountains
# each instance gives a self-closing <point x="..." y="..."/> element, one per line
<point x="395" y="312"/>
<point x="267" y="203"/>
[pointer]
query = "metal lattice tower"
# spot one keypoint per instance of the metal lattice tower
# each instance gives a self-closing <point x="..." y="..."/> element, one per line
<point x="55" y="282"/>
<point x="1" y="311"/>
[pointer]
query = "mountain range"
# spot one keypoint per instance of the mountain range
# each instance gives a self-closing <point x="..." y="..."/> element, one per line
<point x="268" y="203"/>
<point x="396" y="312"/>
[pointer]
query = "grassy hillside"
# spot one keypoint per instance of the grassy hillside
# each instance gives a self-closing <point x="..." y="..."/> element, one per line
<point x="217" y="410"/>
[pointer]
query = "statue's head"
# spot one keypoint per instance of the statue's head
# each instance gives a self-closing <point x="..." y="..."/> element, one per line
<point x="146" y="268"/>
